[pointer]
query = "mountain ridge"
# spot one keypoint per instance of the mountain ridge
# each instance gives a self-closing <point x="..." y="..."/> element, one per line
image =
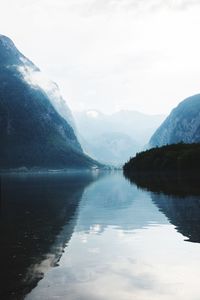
<point x="182" y="124"/>
<point x="128" y="133"/>
<point x="33" y="133"/>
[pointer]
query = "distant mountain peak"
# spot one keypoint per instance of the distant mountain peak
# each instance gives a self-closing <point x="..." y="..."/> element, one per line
<point x="9" y="54"/>
<point x="93" y="113"/>
<point x="6" y="41"/>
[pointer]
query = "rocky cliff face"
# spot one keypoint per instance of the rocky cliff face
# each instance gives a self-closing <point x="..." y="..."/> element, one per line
<point x="182" y="125"/>
<point x="36" y="127"/>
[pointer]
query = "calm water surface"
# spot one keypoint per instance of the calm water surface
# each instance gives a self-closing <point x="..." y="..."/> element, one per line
<point x="97" y="237"/>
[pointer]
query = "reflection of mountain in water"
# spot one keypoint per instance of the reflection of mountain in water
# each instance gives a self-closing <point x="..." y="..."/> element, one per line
<point x="183" y="212"/>
<point x="122" y="205"/>
<point x="38" y="215"/>
<point x="178" y="198"/>
<point x="167" y="183"/>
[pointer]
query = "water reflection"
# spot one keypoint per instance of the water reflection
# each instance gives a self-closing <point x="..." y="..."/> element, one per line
<point x="178" y="197"/>
<point x="102" y="253"/>
<point x="183" y="212"/>
<point x="112" y="201"/>
<point x="169" y="184"/>
<point x="123" y="247"/>
<point x="123" y="242"/>
<point x="38" y="215"/>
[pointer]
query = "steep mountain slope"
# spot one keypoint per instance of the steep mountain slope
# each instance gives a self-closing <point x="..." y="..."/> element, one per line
<point x="32" y="131"/>
<point x="114" y="138"/>
<point x="182" y="125"/>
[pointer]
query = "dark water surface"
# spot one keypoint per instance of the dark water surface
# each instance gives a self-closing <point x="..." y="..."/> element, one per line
<point x="86" y="236"/>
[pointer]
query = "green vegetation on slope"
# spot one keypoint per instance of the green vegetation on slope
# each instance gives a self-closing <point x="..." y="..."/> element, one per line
<point x="171" y="158"/>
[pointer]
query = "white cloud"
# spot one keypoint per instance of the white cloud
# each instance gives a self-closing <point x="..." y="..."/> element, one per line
<point x="134" y="54"/>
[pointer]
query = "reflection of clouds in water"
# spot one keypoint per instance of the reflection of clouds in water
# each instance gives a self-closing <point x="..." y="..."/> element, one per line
<point x="94" y="229"/>
<point x="115" y="279"/>
<point x="111" y="202"/>
<point x="94" y="250"/>
<point x="140" y="277"/>
<point x="83" y="237"/>
<point x="148" y="260"/>
<point x="136" y="269"/>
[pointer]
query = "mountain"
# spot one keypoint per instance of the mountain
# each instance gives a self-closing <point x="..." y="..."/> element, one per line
<point x="182" y="125"/>
<point x="111" y="147"/>
<point x="114" y="138"/>
<point x="36" y="126"/>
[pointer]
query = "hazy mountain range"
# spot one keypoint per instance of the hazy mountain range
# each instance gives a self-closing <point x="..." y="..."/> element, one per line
<point x="114" y="138"/>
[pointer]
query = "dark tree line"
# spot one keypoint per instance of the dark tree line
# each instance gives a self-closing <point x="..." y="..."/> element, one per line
<point x="170" y="158"/>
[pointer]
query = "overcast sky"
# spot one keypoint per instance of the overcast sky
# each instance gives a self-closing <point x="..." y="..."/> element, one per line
<point x="111" y="54"/>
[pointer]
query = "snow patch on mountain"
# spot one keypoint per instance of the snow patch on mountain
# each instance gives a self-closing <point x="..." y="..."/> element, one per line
<point x="92" y="113"/>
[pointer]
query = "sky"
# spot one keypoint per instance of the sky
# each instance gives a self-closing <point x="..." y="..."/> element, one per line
<point x="110" y="55"/>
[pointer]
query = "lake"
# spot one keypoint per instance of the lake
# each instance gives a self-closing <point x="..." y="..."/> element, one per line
<point x="97" y="236"/>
